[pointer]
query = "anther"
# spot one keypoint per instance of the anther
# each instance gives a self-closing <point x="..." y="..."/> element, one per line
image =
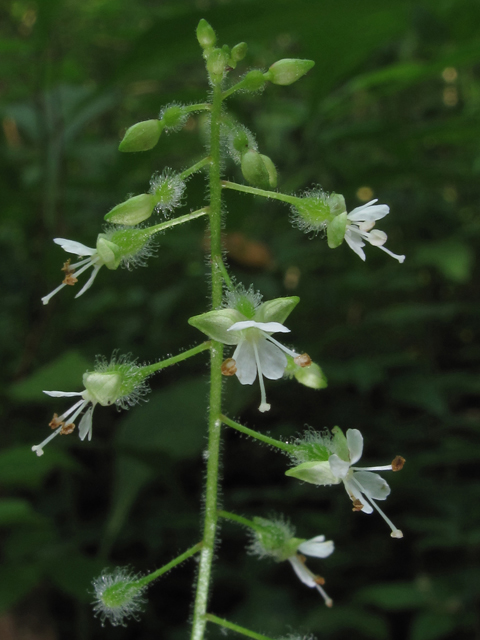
<point x="397" y="463"/>
<point x="303" y="360"/>
<point x="357" y="505"/>
<point x="67" y="429"/>
<point x="69" y="279"/>
<point x="229" y="367"/>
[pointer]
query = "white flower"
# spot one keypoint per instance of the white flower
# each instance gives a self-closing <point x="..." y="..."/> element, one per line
<point x="360" y="223"/>
<point x="363" y="487"/>
<point x="318" y="548"/>
<point x="258" y="352"/>
<point x="72" y="271"/>
<point x="248" y="324"/>
<point x="64" y="424"/>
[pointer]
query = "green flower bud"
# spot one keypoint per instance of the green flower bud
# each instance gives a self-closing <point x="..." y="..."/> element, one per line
<point x="133" y="211"/>
<point x="306" y="372"/>
<point x="316" y="210"/>
<point x="206" y="35"/>
<point x="288" y="71"/>
<point x="141" y="136"/>
<point x="118" y="596"/>
<point x="254" y="80"/>
<point x="258" y="170"/>
<point x="239" y="51"/>
<point x="216" y="62"/>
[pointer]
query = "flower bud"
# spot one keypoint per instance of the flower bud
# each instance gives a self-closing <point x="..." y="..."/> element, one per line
<point x="216" y="63"/>
<point x="118" y="596"/>
<point x="141" y="136"/>
<point x="259" y="170"/>
<point x="288" y="71"/>
<point x="254" y="80"/>
<point x="205" y="34"/>
<point x="239" y="51"/>
<point x="133" y="211"/>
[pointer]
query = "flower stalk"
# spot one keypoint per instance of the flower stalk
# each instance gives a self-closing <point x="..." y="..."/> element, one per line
<point x="235" y="627"/>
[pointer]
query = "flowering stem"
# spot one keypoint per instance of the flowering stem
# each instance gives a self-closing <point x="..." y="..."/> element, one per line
<point x="254" y="434"/>
<point x="194" y="168"/>
<point x="235" y="627"/>
<point x="216" y="358"/>
<point x="142" y="582"/>
<point x="204" y="106"/>
<point x="235" y="87"/>
<point x="260" y="192"/>
<point x="239" y="519"/>
<point x="174" y="359"/>
<point x="176" y="221"/>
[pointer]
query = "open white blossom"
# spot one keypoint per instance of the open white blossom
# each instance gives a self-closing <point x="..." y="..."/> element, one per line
<point x="258" y="352"/>
<point x="363" y="486"/>
<point x="360" y="223"/>
<point x="72" y="271"/>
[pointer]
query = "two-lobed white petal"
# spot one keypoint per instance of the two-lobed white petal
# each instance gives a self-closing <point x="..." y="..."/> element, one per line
<point x="70" y="246"/>
<point x="85" y="426"/>
<point x="373" y="485"/>
<point x="245" y="362"/>
<point x="63" y="394"/>
<point x="338" y="467"/>
<point x="369" y="212"/>
<point x="355" y="445"/>
<point x="268" y="327"/>
<point x="317" y="547"/>
<point x="302" y="572"/>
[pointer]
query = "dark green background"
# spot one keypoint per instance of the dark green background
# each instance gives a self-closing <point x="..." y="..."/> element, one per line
<point x="381" y="109"/>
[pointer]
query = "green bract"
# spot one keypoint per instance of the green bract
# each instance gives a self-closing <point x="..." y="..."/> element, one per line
<point x="141" y="136"/>
<point x="289" y="70"/>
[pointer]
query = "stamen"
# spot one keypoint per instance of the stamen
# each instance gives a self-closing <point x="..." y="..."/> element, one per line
<point x="67" y="429"/>
<point x="303" y="360"/>
<point x="401" y="259"/>
<point x="397" y="463"/>
<point x="294" y="354"/>
<point x="229" y="367"/>
<point x="396" y="533"/>
<point x="264" y="406"/>
<point x="38" y="448"/>
<point x="385" y="467"/>
<point x="325" y="596"/>
<point x="71" y="410"/>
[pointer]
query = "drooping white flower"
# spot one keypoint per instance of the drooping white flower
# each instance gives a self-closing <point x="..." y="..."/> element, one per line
<point x="123" y="246"/>
<point x="275" y="538"/>
<point x="119" y="381"/>
<point x="248" y="324"/>
<point x="334" y="464"/>
<point x="360" y="223"/>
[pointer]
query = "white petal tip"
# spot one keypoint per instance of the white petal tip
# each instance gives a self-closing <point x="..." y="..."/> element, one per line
<point x="396" y="534"/>
<point x="38" y="450"/>
<point x="264" y="407"/>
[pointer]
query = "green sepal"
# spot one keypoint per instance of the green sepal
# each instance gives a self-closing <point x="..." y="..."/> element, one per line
<point x="336" y="230"/>
<point x="315" y="472"/>
<point x="133" y="211"/>
<point x="109" y="252"/>
<point x="276" y="310"/>
<point x="271" y="170"/>
<point x="341" y="446"/>
<point x="105" y="388"/>
<point x="141" y="136"/>
<point x="311" y="376"/>
<point x="215" y="324"/>
<point x="288" y="71"/>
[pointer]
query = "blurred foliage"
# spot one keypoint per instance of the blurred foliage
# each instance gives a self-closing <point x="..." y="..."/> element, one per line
<point x="391" y="111"/>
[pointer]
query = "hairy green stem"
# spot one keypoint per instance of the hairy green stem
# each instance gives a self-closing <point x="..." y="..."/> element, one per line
<point x="216" y="358"/>
<point x="235" y="627"/>
<point x="194" y="168"/>
<point x="225" y="275"/>
<point x="203" y="106"/>
<point x="238" y="519"/>
<point x="274" y="195"/>
<point x="176" y="221"/>
<point x="173" y="563"/>
<point x="174" y="359"/>
<point x="255" y="434"/>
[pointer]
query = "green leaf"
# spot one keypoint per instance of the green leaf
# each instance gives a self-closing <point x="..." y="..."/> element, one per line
<point x="276" y="310"/>
<point x="16" y="511"/>
<point x="432" y="625"/>
<point x="19" y="467"/>
<point x="15" y="582"/>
